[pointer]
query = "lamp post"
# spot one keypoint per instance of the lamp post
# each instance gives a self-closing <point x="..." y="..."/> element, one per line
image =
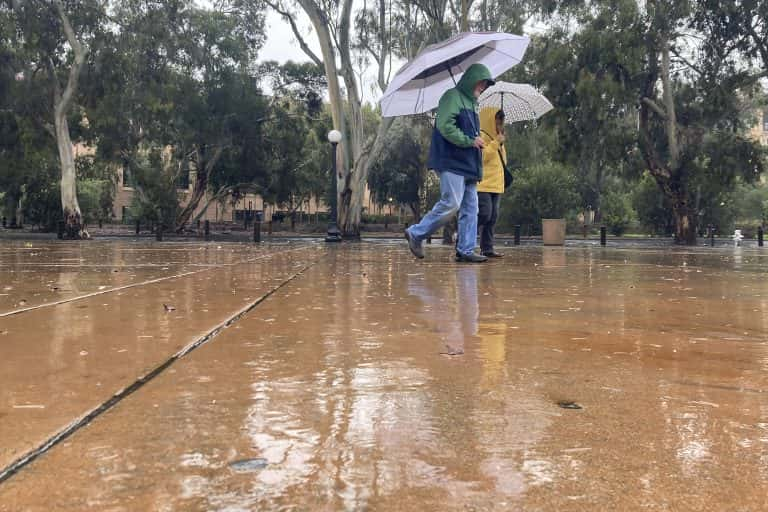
<point x="334" y="235"/>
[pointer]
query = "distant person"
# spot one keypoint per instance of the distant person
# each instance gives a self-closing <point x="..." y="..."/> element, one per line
<point x="456" y="154"/>
<point x="490" y="190"/>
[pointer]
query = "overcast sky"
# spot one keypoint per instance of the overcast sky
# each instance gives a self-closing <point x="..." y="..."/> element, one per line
<point x="281" y="46"/>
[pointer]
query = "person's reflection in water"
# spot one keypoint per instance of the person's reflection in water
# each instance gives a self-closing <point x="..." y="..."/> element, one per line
<point x="450" y="305"/>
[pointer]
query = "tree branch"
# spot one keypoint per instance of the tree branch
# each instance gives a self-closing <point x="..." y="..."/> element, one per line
<point x="296" y="33"/>
<point x="687" y="62"/>
<point x="655" y="107"/>
<point x="80" y="52"/>
<point x="669" y="105"/>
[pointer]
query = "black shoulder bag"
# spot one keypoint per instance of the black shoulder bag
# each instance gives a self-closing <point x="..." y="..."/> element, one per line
<point x="508" y="177"/>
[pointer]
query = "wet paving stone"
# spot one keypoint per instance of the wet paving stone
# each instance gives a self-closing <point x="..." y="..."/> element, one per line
<point x="338" y="382"/>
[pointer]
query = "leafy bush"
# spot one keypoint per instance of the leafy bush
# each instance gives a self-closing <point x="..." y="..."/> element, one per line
<point x="95" y="198"/>
<point x="617" y="212"/>
<point x="41" y="199"/>
<point x="545" y="190"/>
<point x="653" y="210"/>
<point x="156" y="200"/>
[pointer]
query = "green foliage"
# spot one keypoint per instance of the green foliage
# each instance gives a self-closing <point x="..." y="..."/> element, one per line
<point x="41" y="197"/>
<point x="95" y="198"/>
<point x="398" y="175"/>
<point x="156" y="200"/>
<point x="95" y="189"/>
<point x="543" y="191"/>
<point x="617" y="212"/>
<point x="653" y="210"/>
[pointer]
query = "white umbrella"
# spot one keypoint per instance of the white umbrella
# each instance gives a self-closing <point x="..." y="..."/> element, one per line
<point x="418" y="86"/>
<point x="520" y="102"/>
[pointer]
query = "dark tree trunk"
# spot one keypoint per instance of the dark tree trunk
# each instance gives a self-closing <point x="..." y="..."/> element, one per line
<point x="685" y="221"/>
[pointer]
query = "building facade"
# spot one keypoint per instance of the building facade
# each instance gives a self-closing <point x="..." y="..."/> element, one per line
<point x="760" y="130"/>
<point x="214" y="210"/>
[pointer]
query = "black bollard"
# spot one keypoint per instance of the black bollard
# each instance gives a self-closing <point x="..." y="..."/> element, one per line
<point x="760" y="234"/>
<point x="245" y="221"/>
<point x="711" y="236"/>
<point x="584" y="231"/>
<point x="207" y="230"/>
<point x="138" y="227"/>
<point x="517" y="234"/>
<point x="60" y="230"/>
<point x="257" y="231"/>
<point x="5" y="223"/>
<point x="269" y="228"/>
<point x="429" y="240"/>
<point x="101" y="223"/>
<point x="603" y="236"/>
<point x="159" y="233"/>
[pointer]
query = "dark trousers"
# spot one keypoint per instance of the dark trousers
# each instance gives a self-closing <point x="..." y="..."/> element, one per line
<point x="486" y="218"/>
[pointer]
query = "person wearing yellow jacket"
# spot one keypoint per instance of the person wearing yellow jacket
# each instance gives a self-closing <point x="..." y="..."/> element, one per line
<point x="491" y="188"/>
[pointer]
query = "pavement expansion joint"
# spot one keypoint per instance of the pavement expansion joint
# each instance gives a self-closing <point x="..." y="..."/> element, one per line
<point x="142" y="283"/>
<point x="29" y="457"/>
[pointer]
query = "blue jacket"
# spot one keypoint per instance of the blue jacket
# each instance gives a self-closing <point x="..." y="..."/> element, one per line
<point x="456" y="128"/>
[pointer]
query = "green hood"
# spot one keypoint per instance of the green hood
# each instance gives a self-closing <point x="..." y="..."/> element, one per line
<point x="475" y="73"/>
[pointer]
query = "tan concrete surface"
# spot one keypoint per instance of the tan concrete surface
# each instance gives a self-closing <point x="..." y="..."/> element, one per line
<point x="57" y="363"/>
<point x="374" y="382"/>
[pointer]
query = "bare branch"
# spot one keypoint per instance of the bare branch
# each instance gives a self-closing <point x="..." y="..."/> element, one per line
<point x="296" y="33"/>
<point x="687" y="62"/>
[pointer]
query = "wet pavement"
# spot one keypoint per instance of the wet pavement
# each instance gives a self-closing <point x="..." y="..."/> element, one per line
<point x="556" y="379"/>
<point x="60" y="362"/>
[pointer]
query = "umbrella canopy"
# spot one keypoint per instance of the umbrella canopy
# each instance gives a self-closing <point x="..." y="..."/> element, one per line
<point x="418" y="86"/>
<point x="520" y="102"/>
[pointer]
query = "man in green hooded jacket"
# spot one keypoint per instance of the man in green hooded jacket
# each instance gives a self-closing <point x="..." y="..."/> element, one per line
<point x="456" y="154"/>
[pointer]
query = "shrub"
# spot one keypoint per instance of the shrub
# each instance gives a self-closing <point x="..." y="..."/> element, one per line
<point x="653" y="210"/>
<point x="543" y="191"/>
<point x="617" y="212"/>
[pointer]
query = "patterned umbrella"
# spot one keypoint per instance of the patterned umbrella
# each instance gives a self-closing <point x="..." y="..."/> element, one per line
<point x="520" y="102"/>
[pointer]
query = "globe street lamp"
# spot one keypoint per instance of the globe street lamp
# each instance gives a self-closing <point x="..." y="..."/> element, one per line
<point x="334" y="235"/>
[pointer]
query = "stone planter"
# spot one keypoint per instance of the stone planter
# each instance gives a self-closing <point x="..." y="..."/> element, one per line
<point x="553" y="231"/>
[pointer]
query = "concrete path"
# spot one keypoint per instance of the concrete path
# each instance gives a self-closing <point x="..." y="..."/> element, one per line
<point x="61" y="363"/>
<point x="555" y="379"/>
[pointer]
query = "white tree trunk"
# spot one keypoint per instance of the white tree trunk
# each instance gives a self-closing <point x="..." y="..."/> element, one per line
<point x="62" y="103"/>
<point x="69" y="205"/>
<point x="352" y="177"/>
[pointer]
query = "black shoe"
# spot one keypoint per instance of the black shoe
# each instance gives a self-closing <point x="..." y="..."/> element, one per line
<point x="471" y="258"/>
<point x="493" y="254"/>
<point x="415" y="247"/>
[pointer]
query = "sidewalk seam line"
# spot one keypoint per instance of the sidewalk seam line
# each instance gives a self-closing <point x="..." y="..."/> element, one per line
<point x="29" y="457"/>
<point x="134" y="285"/>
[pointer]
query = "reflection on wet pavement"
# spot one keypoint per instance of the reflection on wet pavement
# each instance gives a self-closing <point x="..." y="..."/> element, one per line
<point x="375" y="383"/>
<point x="58" y="363"/>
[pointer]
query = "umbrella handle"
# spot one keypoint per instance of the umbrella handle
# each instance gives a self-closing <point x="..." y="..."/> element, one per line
<point x="450" y="72"/>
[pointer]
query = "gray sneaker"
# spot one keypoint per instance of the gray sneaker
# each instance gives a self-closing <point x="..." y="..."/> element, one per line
<point x="471" y="258"/>
<point x="415" y="247"/>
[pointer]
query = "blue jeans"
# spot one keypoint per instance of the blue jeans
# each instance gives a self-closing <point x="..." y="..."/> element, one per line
<point x="456" y="195"/>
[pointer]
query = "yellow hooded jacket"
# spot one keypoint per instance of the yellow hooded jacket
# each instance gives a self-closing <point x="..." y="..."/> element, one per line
<point x="493" y="170"/>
